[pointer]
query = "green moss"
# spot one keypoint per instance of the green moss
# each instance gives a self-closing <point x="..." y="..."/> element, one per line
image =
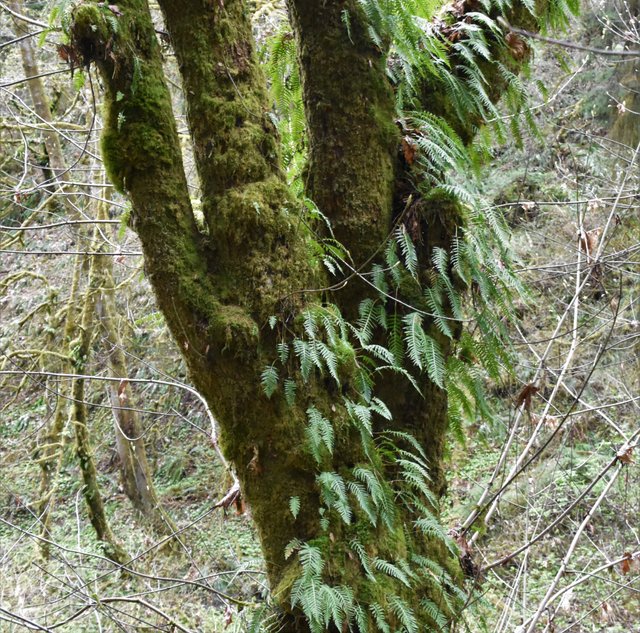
<point x="241" y="334"/>
<point x="91" y="32"/>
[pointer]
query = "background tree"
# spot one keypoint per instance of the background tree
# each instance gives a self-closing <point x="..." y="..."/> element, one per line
<point x="136" y="478"/>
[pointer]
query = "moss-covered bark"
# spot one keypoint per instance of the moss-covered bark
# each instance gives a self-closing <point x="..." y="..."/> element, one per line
<point x="350" y="110"/>
<point x="357" y="178"/>
<point x="51" y="442"/>
<point x="356" y="173"/>
<point x="217" y="288"/>
<point x="217" y="313"/>
<point x="81" y="349"/>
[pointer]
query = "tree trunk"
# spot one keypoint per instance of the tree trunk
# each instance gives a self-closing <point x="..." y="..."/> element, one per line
<point x="343" y="540"/>
<point x="49" y="453"/>
<point x="79" y="419"/>
<point x="135" y="472"/>
<point x="626" y="128"/>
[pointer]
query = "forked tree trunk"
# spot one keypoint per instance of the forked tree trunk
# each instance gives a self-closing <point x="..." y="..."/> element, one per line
<point x="219" y="287"/>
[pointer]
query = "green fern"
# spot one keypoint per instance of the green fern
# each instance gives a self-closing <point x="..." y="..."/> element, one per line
<point x="269" y="380"/>
<point x="320" y="435"/>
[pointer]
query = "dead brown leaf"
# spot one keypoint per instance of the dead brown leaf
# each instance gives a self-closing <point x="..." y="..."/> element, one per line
<point x="409" y="149"/>
<point x="625" y="565"/>
<point x="122" y="391"/>
<point x="625" y="455"/>
<point x="589" y="241"/>
<point x="525" y="396"/>
<point x="518" y="47"/>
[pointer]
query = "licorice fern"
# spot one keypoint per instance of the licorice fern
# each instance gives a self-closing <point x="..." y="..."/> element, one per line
<point x="420" y="337"/>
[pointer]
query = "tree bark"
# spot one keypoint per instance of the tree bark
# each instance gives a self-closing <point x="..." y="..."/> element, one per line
<point x="626" y="127"/>
<point x="219" y="287"/>
<point x="79" y="419"/>
<point x="135" y="473"/>
<point x="350" y="111"/>
<point x="215" y="301"/>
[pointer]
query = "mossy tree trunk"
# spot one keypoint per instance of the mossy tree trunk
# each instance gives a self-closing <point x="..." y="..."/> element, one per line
<point x="218" y="287"/>
<point x="80" y="352"/>
<point x="358" y="180"/>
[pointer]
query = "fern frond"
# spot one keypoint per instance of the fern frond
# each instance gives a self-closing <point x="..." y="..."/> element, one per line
<point x="269" y="380"/>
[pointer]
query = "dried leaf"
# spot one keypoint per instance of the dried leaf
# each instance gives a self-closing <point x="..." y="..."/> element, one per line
<point x="468" y="565"/>
<point x="518" y="47"/>
<point x="550" y="422"/>
<point x="463" y="544"/>
<point x="457" y="8"/>
<point x="230" y="498"/>
<point x="452" y="34"/>
<point x="589" y="241"/>
<point x="625" y="455"/>
<point x="122" y="391"/>
<point x="625" y="565"/>
<point x="68" y="54"/>
<point x="409" y="150"/>
<point x="606" y="613"/>
<point x="525" y="395"/>
<point x="228" y="616"/>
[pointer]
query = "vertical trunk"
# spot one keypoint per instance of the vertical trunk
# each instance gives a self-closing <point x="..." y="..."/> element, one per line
<point x="134" y="468"/>
<point x="358" y="181"/>
<point x="350" y="111"/>
<point x="218" y="290"/>
<point x="79" y="420"/>
<point x="51" y="442"/>
<point x="38" y="94"/>
<point x="626" y="128"/>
